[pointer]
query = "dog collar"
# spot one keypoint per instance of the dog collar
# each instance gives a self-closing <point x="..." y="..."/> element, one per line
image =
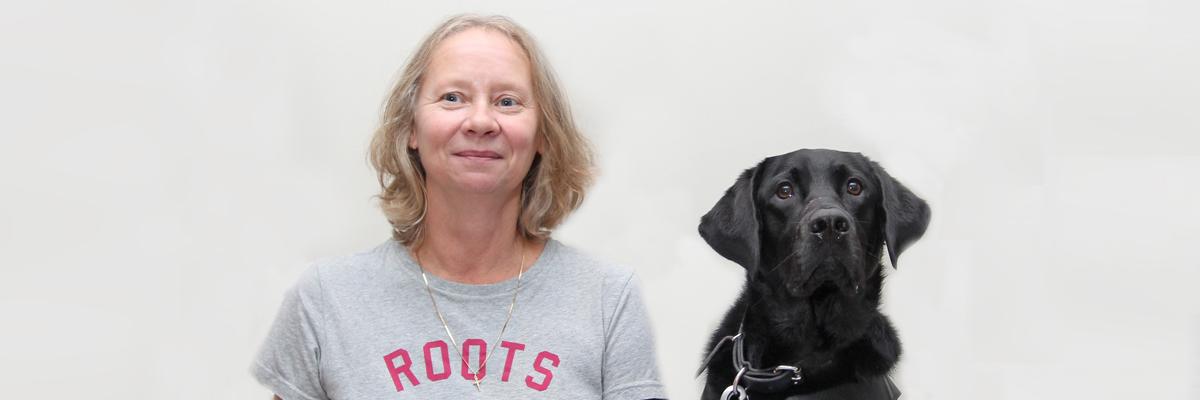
<point x="761" y="380"/>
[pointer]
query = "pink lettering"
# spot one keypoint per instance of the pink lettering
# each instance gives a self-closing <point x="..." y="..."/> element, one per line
<point x="547" y="373"/>
<point x="434" y="377"/>
<point x="395" y="371"/>
<point x="466" y="355"/>
<point x="512" y="350"/>
<point x="400" y="365"/>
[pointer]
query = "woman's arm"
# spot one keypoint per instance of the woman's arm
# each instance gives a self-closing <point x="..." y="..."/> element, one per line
<point x="629" y="365"/>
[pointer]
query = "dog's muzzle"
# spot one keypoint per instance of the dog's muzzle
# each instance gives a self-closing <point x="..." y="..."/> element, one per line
<point x="827" y="235"/>
<point x="829" y="224"/>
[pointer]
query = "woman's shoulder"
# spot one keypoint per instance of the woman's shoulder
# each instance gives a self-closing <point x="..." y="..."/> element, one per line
<point x="613" y="284"/>
<point x="349" y="269"/>
<point x="581" y="263"/>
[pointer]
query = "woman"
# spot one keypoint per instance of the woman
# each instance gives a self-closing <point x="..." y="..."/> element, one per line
<point x="479" y="159"/>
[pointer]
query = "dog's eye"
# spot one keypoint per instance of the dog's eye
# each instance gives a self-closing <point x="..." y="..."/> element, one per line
<point x="854" y="186"/>
<point x="784" y="191"/>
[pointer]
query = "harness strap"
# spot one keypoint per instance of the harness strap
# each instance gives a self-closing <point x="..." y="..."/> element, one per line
<point x="762" y="380"/>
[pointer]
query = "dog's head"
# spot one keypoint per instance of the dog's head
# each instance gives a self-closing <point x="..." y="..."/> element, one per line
<point x="814" y="220"/>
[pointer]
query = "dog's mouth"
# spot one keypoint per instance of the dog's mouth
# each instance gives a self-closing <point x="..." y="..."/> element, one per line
<point x="816" y="291"/>
<point x="826" y="289"/>
<point x="822" y="281"/>
<point x="821" y="270"/>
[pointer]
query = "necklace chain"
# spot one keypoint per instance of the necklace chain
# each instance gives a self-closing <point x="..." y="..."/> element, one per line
<point x="512" y="305"/>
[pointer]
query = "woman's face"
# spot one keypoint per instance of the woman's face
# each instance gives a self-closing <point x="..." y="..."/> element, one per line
<point x="475" y="119"/>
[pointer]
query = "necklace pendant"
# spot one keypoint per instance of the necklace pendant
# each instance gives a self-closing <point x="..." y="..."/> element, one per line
<point x="477" y="388"/>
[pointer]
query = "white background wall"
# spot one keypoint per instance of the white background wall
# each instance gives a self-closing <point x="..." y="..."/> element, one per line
<point x="168" y="168"/>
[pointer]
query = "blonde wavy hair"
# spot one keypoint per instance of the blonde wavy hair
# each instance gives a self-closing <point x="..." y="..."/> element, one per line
<point x="557" y="180"/>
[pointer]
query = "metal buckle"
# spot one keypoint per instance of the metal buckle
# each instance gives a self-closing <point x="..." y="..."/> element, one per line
<point x="729" y="393"/>
<point x="735" y="388"/>
<point x="796" y="377"/>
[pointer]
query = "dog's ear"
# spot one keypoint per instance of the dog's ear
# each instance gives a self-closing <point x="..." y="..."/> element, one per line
<point x="731" y="226"/>
<point x="905" y="216"/>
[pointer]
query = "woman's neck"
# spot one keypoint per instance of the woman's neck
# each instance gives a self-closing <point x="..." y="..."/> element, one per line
<point x="472" y="239"/>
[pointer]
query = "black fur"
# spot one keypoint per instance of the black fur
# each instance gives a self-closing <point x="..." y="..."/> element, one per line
<point x="813" y="266"/>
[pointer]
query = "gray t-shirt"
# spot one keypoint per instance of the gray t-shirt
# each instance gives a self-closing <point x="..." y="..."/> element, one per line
<point x="362" y="327"/>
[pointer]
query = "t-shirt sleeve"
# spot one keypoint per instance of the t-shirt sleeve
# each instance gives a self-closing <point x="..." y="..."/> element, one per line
<point x="630" y="366"/>
<point x="288" y="362"/>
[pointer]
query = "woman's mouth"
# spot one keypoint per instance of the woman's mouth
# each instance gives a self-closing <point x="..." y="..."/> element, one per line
<point x="479" y="154"/>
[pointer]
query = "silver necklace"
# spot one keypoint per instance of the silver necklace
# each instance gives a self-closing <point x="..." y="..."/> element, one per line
<point x="511" y="306"/>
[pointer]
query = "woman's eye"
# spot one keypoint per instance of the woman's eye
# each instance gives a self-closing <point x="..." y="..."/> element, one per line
<point x="854" y="186"/>
<point x="451" y="97"/>
<point x="507" y="102"/>
<point x="784" y="191"/>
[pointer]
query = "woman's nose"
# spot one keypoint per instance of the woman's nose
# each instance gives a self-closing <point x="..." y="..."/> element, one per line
<point x="482" y="120"/>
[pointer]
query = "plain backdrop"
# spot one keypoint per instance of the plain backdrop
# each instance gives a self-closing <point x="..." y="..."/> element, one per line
<point x="168" y="168"/>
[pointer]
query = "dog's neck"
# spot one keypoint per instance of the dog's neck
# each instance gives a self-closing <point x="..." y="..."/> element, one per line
<point x="805" y="331"/>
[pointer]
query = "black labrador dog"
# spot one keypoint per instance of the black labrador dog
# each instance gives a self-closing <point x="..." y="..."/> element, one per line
<point x="809" y="227"/>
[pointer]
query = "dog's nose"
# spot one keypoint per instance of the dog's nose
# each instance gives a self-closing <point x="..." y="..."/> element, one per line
<point x="829" y="221"/>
